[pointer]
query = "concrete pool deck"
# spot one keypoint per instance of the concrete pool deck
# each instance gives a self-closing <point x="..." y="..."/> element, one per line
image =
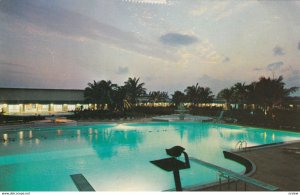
<point x="278" y="165"/>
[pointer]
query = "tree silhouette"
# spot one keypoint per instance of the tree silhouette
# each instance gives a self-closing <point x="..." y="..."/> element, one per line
<point x="271" y="92"/>
<point x="100" y="93"/>
<point x="239" y="94"/>
<point x="158" y="96"/>
<point x="227" y="95"/>
<point x="178" y="97"/>
<point x="196" y="94"/>
<point x="120" y="99"/>
<point x="265" y="93"/>
<point x="134" y="89"/>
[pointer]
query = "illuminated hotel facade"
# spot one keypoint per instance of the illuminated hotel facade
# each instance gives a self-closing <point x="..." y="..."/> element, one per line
<point x="29" y="101"/>
<point x="24" y="101"/>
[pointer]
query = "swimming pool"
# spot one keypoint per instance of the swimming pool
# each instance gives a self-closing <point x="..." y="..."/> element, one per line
<point x="115" y="157"/>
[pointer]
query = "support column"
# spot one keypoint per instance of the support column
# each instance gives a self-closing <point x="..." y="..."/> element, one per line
<point x="65" y="107"/>
<point x="177" y="180"/>
<point x="51" y="108"/>
<point x="5" y="108"/>
<point x="22" y="108"/>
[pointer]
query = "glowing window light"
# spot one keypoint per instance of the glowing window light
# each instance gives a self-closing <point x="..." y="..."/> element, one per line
<point x="21" y="135"/>
<point x="5" y="137"/>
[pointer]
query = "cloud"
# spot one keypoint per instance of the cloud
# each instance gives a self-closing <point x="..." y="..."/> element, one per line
<point x="176" y="39"/>
<point x="13" y="70"/>
<point x="41" y="19"/>
<point x="227" y="59"/>
<point x="202" y="53"/>
<point x="11" y="64"/>
<point x="148" y="1"/>
<point x="220" y="10"/>
<point x="257" y="69"/>
<point x="216" y="85"/>
<point x="199" y="11"/>
<point x="293" y="81"/>
<point x="122" y="70"/>
<point x="148" y="78"/>
<point x="275" y="66"/>
<point x="278" y="51"/>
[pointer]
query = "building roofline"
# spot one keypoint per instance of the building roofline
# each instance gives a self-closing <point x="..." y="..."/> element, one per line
<point x="12" y="88"/>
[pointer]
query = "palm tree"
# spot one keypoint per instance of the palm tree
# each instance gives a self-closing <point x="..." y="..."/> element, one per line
<point x="178" y="97"/>
<point x="106" y="89"/>
<point x="158" y="96"/>
<point x="271" y="92"/>
<point x="240" y="93"/>
<point x="196" y="94"/>
<point x="206" y="95"/>
<point x="251" y="97"/>
<point x="227" y="95"/>
<point x="100" y="93"/>
<point x="120" y="100"/>
<point x="92" y="93"/>
<point x="134" y="89"/>
<point x="193" y="94"/>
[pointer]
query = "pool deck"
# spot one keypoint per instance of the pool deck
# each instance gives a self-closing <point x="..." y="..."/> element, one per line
<point x="278" y="165"/>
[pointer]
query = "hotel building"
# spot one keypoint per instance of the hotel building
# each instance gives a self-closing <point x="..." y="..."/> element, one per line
<point x="24" y="101"/>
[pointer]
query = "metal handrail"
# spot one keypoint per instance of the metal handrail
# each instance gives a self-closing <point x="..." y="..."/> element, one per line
<point x="240" y="144"/>
<point x="230" y="174"/>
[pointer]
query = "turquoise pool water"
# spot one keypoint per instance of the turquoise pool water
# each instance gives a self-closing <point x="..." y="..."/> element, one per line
<point x="115" y="157"/>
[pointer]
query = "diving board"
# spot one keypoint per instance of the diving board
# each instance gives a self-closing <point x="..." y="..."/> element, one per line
<point x="81" y="183"/>
<point x="235" y="175"/>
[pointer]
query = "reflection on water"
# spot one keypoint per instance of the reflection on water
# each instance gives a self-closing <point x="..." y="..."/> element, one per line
<point x="116" y="157"/>
<point x="109" y="141"/>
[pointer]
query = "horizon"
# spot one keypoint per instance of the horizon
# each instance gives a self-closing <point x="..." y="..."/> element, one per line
<point x="169" y="44"/>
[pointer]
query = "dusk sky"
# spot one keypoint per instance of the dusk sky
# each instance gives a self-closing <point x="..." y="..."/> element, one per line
<point x="169" y="44"/>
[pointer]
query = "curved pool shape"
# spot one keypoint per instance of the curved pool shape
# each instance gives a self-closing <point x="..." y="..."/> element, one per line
<point x="187" y="117"/>
<point x="115" y="157"/>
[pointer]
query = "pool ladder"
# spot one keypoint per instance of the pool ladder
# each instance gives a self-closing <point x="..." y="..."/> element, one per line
<point x="241" y="145"/>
